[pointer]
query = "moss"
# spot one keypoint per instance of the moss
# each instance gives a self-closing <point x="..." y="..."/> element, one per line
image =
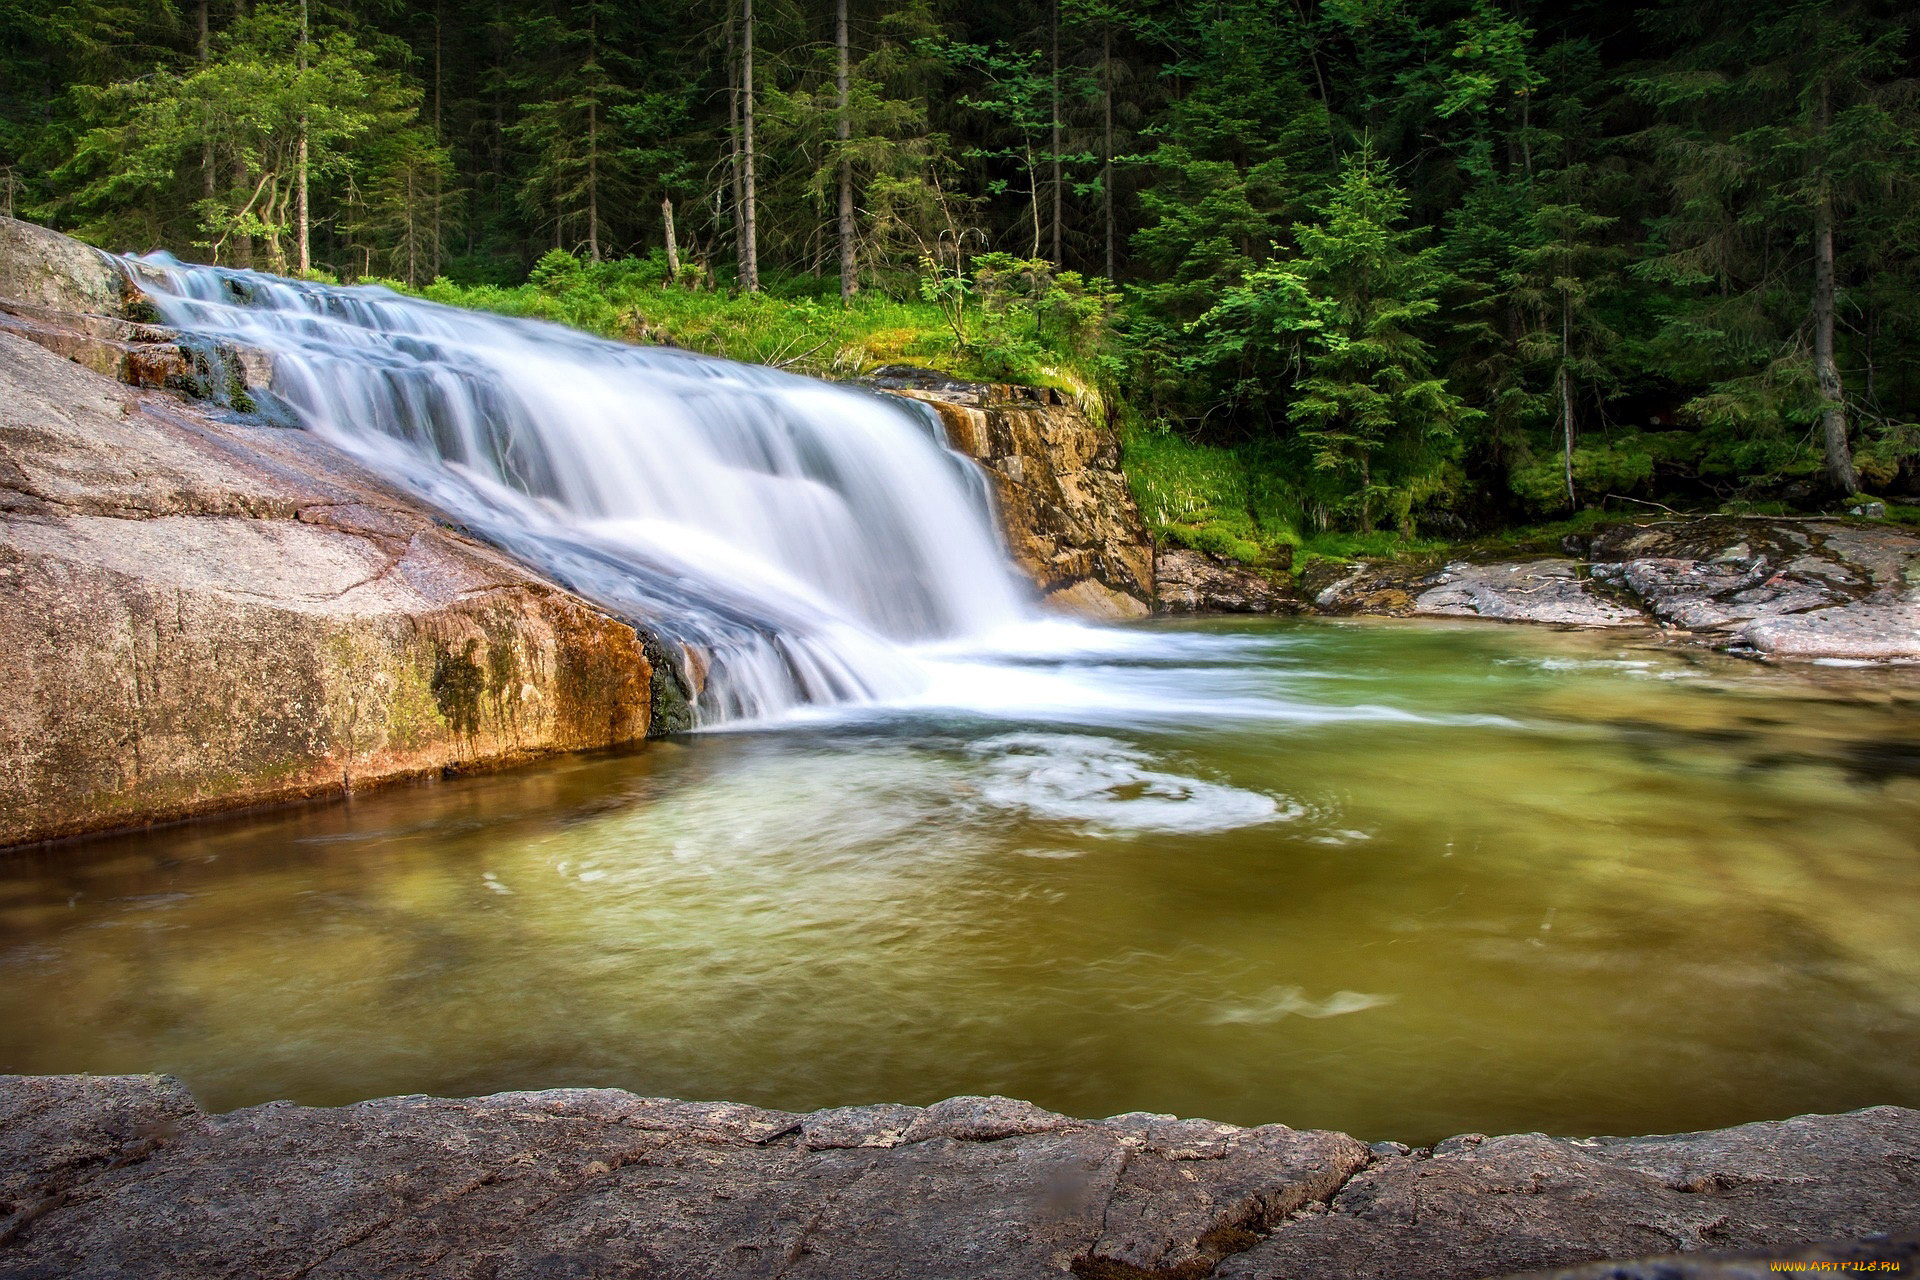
<point x="137" y="308"/>
<point x="237" y="395"/>
<point x="413" y="715"/>
<point x="458" y="685"/>
<point x="672" y="702"/>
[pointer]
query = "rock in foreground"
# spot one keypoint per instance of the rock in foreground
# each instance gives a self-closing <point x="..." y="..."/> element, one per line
<point x="125" y="1176"/>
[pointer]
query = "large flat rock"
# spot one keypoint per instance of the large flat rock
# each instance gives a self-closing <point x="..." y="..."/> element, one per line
<point x="1549" y="591"/>
<point x="197" y="613"/>
<point x="123" y="1176"/>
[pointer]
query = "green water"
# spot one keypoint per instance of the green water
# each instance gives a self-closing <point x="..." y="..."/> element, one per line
<point x="1403" y="880"/>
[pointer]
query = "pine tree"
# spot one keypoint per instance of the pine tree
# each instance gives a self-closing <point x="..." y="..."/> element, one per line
<point x="1357" y="303"/>
<point x="579" y="177"/>
<point x="1784" y="124"/>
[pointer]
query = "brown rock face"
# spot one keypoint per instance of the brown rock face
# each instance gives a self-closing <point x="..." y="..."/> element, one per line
<point x="197" y="615"/>
<point x="125" y="1176"/>
<point x="1070" y="521"/>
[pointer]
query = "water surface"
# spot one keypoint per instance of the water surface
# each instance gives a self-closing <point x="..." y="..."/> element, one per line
<point x="1403" y="880"/>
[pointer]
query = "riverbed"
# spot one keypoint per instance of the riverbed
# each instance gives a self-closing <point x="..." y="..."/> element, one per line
<point x="1398" y="879"/>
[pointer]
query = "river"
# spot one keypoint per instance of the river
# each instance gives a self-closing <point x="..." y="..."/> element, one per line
<point x="1398" y="879"/>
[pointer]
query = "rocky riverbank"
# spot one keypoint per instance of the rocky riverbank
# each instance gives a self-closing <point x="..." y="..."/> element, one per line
<point x="1765" y="585"/>
<point x="126" y="1176"/>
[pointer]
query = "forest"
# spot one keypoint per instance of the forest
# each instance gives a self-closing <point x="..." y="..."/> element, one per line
<point x="1370" y="270"/>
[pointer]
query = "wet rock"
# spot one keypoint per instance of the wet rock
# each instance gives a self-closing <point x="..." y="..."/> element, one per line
<point x="1070" y="521"/>
<point x="1194" y="582"/>
<point x="1814" y="588"/>
<point x="200" y="614"/>
<point x="1383" y="589"/>
<point x="1549" y="591"/>
<point x="105" y="1176"/>
<point x="1860" y="632"/>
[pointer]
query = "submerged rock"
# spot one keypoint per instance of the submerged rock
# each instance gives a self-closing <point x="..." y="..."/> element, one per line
<point x="119" y="1176"/>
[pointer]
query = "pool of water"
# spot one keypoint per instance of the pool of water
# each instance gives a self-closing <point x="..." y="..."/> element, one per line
<point x="1403" y="880"/>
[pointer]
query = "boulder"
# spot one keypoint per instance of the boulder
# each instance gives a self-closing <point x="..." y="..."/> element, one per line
<point x="44" y="268"/>
<point x="201" y="613"/>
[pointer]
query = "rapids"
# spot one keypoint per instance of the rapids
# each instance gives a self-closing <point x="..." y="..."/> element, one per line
<point x="803" y="536"/>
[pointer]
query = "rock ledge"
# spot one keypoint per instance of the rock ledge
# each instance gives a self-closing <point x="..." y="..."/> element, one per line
<point x="126" y="1176"/>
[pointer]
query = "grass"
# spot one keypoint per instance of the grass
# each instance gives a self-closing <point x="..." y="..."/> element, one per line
<point x="1241" y="504"/>
<point x="797" y="322"/>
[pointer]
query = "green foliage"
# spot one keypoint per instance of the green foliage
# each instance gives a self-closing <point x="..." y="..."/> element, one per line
<point x="1449" y="264"/>
<point x="1351" y="312"/>
<point x="1037" y="329"/>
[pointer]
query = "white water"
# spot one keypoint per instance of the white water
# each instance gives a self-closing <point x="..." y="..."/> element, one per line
<point x="819" y="546"/>
<point x="799" y="534"/>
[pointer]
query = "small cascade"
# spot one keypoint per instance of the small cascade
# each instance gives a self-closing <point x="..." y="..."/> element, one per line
<point x="800" y="537"/>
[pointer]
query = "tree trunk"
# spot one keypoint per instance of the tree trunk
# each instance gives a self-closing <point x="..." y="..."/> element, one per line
<point x="593" y="142"/>
<point x="1033" y="198"/>
<point x="439" y="140"/>
<point x="750" y="259"/>
<point x="1833" y="412"/>
<point x="843" y="129"/>
<point x="1106" y="146"/>
<point x="1057" y="193"/>
<point x="673" y="245"/>
<point x="208" y="187"/>
<point x="1366" y="491"/>
<point x="242" y="180"/>
<point x="300" y="214"/>
<point x="733" y="150"/>
<point x="1566" y="393"/>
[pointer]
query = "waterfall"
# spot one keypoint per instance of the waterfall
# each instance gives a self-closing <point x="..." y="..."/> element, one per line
<point x="798" y="537"/>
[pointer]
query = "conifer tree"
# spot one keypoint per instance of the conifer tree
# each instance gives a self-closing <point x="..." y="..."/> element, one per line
<point x="1357" y="303"/>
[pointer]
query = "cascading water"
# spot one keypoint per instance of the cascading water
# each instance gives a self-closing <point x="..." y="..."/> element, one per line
<point x="795" y="534"/>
